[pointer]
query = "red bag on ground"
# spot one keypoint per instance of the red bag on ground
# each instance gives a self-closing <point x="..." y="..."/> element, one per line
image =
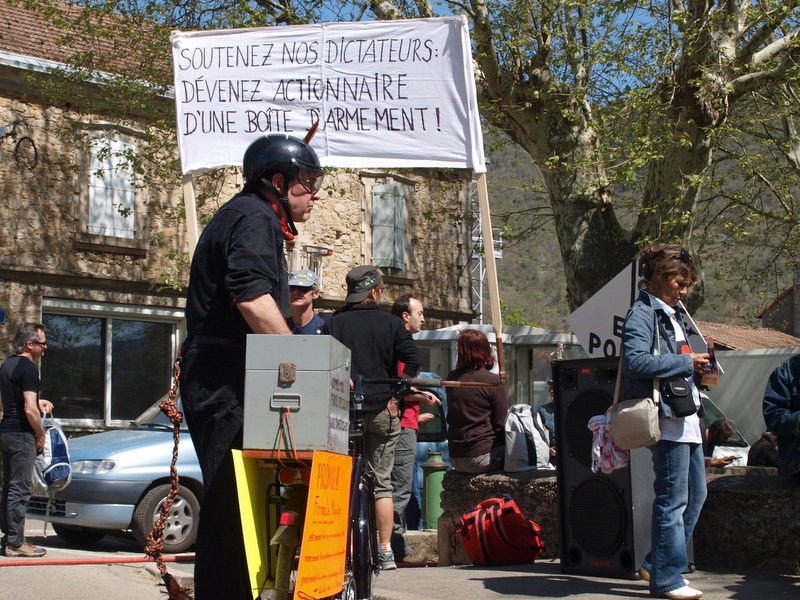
<point x="497" y="533"/>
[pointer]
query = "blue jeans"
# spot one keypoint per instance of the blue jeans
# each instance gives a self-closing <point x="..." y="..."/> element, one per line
<point x="19" y="454"/>
<point x="680" y="489"/>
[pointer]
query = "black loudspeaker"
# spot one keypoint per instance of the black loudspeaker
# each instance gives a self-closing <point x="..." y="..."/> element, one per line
<point x="605" y="518"/>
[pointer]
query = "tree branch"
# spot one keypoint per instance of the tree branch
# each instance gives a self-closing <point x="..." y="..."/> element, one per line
<point x="425" y="9"/>
<point x="777" y="47"/>
<point x="575" y="42"/>
<point x="385" y="10"/>
<point x="751" y="82"/>
<point x="770" y="22"/>
<point x="486" y="55"/>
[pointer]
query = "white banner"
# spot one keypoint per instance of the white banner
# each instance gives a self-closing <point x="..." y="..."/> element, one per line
<point x="386" y="93"/>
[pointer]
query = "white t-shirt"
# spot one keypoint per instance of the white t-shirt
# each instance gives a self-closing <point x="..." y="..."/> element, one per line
<point x="677" y="429"/>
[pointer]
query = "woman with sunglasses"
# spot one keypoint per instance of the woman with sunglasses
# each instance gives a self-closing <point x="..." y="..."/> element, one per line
<point x="678" y="463"/>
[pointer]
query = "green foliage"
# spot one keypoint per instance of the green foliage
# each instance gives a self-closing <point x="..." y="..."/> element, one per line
<point x="514" y="316"/>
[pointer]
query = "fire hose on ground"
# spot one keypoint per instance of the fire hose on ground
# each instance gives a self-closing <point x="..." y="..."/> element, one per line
<point x="109" y="560"/>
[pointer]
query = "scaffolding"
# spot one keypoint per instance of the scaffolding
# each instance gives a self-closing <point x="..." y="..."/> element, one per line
<point x="477" y="260"/>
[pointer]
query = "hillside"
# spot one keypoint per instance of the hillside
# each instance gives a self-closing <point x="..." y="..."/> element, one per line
<point x="531" y="276"/>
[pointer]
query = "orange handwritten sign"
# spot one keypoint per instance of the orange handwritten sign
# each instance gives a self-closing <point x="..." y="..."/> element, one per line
<point x="322" y="553"/>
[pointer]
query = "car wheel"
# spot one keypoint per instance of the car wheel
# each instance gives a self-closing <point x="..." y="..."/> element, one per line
<point x="78" y="536"/>
<point x="180" y="529"/>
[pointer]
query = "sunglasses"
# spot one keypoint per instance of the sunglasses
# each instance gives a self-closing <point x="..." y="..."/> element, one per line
<point x="311" y="182"/>
<point x="39" y="343"/>
<point x="684" y="257"/>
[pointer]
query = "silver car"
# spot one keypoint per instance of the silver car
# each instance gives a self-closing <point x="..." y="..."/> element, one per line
<point x="120" y="479"/>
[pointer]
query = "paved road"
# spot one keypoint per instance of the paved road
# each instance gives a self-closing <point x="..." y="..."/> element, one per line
<point x="544" y="579"/>
<point x="78" y="582"/>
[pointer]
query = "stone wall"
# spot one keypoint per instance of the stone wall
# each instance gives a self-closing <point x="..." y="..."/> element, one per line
<point x="45" y="250"/>
<point x="45" y="212"/>
<point x="437" y="242"/>
<point x="751" y="518"/>
<point x="749" y="521"/>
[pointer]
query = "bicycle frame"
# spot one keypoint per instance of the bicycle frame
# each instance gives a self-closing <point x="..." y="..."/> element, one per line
<point x="365" y="553"/>
<point x="363" y="559"/>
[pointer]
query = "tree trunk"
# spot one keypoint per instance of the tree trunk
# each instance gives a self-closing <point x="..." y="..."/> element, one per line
<point x="594" y="246"/>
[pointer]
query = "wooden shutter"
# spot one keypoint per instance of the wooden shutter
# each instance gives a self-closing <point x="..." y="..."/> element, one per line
<point x="388" y="226"/>
<point x="111" y="190"/>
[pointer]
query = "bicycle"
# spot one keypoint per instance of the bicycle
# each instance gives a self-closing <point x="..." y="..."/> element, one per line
<point x="362" y="555"/>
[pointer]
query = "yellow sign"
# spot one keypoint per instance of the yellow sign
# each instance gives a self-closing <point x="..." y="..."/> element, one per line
<point x="322" y="554"/>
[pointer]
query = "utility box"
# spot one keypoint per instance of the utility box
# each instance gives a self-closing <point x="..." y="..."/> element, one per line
<point x="296" y="393"/>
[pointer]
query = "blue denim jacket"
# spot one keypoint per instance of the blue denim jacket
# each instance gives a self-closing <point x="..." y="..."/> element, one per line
<point x="639" y="364"/>
<point x="782" y="412"/>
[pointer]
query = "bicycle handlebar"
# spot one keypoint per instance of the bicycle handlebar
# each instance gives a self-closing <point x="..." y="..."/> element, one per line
<point x="405" y="381"/>
<point x="401" y="382"/>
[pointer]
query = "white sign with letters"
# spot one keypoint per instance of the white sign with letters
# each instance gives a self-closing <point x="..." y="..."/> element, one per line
<point x="385" y="93"/>
<point x="597" y="323"/>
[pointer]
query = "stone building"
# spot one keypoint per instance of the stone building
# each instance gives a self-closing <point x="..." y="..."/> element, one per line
<point x="83" y="250"/>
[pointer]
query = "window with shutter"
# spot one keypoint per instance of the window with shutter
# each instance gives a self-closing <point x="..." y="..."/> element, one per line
<point x="112" y="191"/>
<point x="388" y="226"/>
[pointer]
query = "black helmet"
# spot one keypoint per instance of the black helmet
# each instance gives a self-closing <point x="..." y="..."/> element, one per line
<point x="279" y="153"/>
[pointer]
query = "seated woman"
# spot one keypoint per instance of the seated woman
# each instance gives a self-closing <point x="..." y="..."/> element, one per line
<point x="475" y="415"/>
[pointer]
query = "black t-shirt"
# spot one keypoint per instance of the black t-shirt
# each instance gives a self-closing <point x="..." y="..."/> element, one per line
<point x="238" y="257"/>
<point x="17" y="375"/>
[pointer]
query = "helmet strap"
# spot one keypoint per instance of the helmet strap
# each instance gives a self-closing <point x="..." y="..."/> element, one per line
<point x="289" y="220"/>
<point x="285" y="215"/>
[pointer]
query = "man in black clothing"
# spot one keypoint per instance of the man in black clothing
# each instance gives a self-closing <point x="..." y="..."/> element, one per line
<point x="21" y="435"/>
<point x="238" y="285"/>
<point x="377" y="341"/>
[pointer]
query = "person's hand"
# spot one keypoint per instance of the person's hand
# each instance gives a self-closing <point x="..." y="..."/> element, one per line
<point x="722" y="462"/>
<point x="40" y="437"/>
<point x="428" y="399"/>
<point x="700" y="361"/>
<point x="45" y="406"/>
<point x="425" y="417"/>
<point x="393" y="407"/>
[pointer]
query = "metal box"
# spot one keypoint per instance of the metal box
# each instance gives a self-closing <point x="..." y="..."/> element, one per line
<point x="296" y="393"/>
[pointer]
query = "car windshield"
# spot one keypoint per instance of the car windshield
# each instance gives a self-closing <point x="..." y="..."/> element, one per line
<point x="713" y="413"/>
<point x="154" y="418"/>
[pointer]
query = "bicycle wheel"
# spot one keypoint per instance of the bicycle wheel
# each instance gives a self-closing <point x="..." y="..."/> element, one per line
<point x="349" y="590"/>
<point x="25" y="154"/>
<point x="286" y="574"/>
<point x="365" y="539"/>
<point x="295" y="499"/>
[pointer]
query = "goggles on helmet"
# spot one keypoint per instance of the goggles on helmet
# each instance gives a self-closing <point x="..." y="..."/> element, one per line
<point x="311" y="180"/>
